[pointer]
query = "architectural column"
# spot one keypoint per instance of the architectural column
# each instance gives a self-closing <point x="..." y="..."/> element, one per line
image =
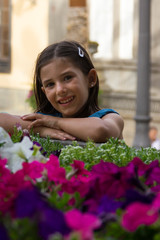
<point x="142" y="117"/>
<point x="77" y="24"/>
<point x="116" y="28"/>
<point x="57" y="20"/>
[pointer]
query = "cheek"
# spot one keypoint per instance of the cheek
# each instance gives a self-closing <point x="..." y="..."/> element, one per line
<point x="49" y="96"/>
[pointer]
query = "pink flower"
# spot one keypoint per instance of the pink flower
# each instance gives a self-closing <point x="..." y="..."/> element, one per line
<point x="83" y="223"/>
<point x="137" y="214"/>
<point x="81" y="185"/>
<point x="79" y="166"/>
<point x="9" y="190"/>
<point x="30" y="93"/>
<point x="55" y="172"/>
<point x="34" y="169"/>
<point x="5" y="173"/>
<point x="53" y="161"/>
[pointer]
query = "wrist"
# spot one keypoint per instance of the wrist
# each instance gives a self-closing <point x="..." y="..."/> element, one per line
<point x="57" y="123"/>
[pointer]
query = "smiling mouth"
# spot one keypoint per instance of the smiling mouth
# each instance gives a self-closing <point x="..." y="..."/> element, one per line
<point x="66" y="100"/>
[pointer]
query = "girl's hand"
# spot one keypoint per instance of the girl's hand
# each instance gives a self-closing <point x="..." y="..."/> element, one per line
<point x="41" y="120"/>
<point x="54" y="133"/>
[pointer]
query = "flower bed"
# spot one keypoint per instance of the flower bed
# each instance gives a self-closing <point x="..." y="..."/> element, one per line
<point x="104" y="192"/>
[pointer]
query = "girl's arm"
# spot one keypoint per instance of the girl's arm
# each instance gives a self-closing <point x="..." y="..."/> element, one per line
<point x="8" y="121"/>
<point x="96" y="129"/>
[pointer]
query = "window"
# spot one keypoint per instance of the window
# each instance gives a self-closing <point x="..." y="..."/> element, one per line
<point x="5" y="51"/>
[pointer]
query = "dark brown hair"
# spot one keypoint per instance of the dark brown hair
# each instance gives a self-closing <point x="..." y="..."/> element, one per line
<point x="70" y="50"/>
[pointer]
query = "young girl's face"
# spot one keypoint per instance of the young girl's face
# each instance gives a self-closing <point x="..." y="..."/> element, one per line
<point x="65" y="86"/>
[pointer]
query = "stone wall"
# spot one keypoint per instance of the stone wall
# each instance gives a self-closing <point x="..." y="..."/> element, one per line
<point x="118" y="80"/>
<point x="77" y="25"/>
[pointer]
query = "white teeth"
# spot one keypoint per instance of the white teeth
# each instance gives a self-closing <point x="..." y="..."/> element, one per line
<point x="66" y="101"/>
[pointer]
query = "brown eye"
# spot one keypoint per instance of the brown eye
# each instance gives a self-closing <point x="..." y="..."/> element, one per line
<point x="49" y="85"/>
<point x="68" y="77"/>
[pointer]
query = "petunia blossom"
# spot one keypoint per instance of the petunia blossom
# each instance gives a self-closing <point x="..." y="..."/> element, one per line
<point x="5" y="138"/>
<point x="55" y="173"/>
<point x="84" y="223"/>
<point x="19" y="153"/>
<point x="138" y="214"/>
<point x="49" y="219"/>
<point x="111" y="179"/>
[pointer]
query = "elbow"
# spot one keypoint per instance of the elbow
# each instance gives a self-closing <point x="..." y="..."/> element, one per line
<point x="99" y="135"/>
<point x="102" y="133"/>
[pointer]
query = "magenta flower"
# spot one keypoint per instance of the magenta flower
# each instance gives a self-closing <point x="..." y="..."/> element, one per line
<point x="33" y="170"/>
<point x="153" y="175"/>
<point x="111" y="179"/>
<point x="79" y="167"/>
<point x="137" y="214"/>
<point x="55" y="172"/>
<point x="76" y="185"/>
<point x="139" y="167"/>
<point x="5" y="173"/>
<point x="10" y="189"/>
<point x="82" y="223"/>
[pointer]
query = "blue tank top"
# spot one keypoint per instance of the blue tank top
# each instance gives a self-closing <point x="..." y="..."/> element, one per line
<point x="98" y="114"/>
<point x="103" y="112"/>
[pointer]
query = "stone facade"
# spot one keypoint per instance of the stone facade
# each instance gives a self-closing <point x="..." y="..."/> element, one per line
<point x="77" y="26"/>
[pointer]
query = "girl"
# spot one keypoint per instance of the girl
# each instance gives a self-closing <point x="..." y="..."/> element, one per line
<point x="66" y="88"/>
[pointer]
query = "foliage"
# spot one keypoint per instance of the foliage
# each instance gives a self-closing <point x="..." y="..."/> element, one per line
<point x="114" y="150"/>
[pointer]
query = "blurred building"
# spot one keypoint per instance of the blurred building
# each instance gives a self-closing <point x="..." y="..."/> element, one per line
<point x="27" y="26"/>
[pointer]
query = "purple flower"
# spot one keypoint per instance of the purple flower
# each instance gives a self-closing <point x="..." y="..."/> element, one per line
<point x="153" y="176"/>
<point x="133" y="195"/>
<point x="108" y="205"/>
<point x="3" y="233"/>
<point x="139" y="166"/>
<point x="31" y="199"/>
<point x="52" y="221"/>
<point x="49" y="220"/>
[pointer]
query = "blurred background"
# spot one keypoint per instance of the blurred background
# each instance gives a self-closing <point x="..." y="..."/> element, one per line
<point x="108" y="28"/>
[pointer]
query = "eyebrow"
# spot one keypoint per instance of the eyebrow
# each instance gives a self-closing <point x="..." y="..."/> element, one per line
<point x="46" y="81"/>
<point x="61" y="75"/>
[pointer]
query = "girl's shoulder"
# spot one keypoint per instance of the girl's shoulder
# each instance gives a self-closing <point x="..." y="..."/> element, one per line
<point x="103" y="112"/>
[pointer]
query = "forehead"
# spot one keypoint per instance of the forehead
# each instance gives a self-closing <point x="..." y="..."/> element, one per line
<point x="153" y="131"/>
<point x="57" y="63"/>
<point x="57" y="67"/>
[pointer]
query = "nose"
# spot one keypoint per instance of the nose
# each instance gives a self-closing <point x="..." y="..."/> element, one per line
<point x="60" y="88"/>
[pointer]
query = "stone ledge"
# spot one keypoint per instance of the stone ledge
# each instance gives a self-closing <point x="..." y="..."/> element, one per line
<point x="68" y="142"/>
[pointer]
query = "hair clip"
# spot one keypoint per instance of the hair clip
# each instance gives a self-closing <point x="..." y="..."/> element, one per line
<point x="80" y="52"/>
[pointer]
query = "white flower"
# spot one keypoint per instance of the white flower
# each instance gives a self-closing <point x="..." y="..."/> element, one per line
<point x="5" y="138"/>
<point x="17" y="153"/>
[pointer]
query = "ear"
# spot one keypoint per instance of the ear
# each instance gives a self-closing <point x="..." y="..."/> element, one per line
<point x="43" y="90"/>
<point x="92" y="78"/>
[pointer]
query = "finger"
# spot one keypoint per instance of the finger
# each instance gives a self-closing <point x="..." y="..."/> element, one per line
<point x="31" y="116"/>
<point x="68" y="136"/>
<point x="36" y="123"/>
